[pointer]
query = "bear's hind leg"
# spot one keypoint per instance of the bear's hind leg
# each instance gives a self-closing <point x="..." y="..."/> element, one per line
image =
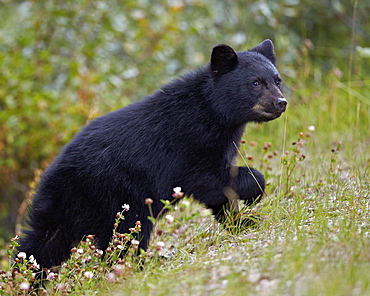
<point x="48" y="247"/>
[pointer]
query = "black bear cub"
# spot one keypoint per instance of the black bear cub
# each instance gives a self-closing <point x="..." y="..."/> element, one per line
<point x="184" y="135"/>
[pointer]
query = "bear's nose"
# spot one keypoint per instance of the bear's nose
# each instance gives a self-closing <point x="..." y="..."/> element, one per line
<point x="280" y="104"/>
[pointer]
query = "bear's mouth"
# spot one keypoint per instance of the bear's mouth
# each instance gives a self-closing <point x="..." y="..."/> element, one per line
<point x="272" y="115"/>
<point x="266" y="114"/>
<point x="277" y="114"/>
<point x="274" y="109"/>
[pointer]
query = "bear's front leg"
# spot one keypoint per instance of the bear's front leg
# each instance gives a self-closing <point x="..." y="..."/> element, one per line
<point x="246" y="184"/>
<point x="249" y="184"/>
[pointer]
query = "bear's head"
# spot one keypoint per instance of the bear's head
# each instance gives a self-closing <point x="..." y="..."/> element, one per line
<point x="246" y="84"/>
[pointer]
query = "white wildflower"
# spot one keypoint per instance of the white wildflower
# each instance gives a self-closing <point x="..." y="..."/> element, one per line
<point x="24" y="286"/>
<point x="177" y="192"/>
<point x="311" y="128"/>
<point x="177" y="189"/>
<point x="160" y="244"/>
<point x="169" y="218"/>
<point x="51" y="276"/>
<point x="88" y="275"/>
<point x="135" y="242"/>
<point x="22" y="255"/>
<point x="33" y="261"/>
<point x="126" y="207"/>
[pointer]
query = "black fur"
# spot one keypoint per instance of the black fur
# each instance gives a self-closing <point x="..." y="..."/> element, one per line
<point x="182" y="135"/>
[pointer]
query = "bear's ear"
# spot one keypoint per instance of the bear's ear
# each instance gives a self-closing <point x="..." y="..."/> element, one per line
<point x="267" y="49"/>
<point x="223" y="59"/>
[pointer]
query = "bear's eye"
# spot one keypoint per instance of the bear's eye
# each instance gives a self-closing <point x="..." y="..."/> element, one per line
<point x="256" y="83"/>
<point x="278" y="82"/>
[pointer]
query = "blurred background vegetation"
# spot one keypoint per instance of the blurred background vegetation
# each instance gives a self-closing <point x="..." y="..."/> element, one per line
<point x="62" y="63"/>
